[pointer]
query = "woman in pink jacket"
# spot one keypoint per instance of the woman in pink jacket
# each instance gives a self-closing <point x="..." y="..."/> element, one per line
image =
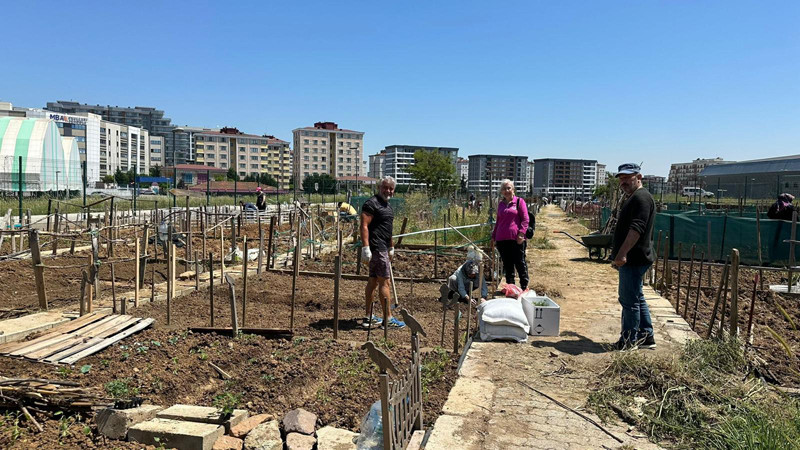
<point x="509" y="233"/>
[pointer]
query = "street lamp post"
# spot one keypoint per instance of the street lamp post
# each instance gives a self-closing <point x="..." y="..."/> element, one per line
<point x="57" y="191"/>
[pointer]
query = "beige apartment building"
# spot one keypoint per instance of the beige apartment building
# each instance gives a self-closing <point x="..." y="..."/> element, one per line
<point x="687" y="174"/>
<point x="123" y="147"/>
<point x="326" y="148"/>
<point x="249" y="154"/>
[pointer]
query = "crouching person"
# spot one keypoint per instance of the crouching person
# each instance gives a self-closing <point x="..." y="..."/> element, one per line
<point x="460" y="279"/>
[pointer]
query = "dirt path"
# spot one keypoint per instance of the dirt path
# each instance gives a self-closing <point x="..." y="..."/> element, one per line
<point x="490" y="405"/>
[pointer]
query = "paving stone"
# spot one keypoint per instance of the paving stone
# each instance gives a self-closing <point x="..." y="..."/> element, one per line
<point x="332" y="438"/>
<point x="241" y="429"/>
<point x="450" y="432"/>
<point x="114" y="423"/>
<point x="228" y="443"/>
<point x="265" y="436"/>
<point x="298" y="441"/>
<point x="468" y="396"/>
<point x="416" y="440"/>
<point x="176" y="434"/>
<point x="203" y="414"/>
<point x="300" y="420"/>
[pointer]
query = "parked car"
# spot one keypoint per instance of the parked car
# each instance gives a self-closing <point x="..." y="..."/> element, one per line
<point x="696" y="191"/>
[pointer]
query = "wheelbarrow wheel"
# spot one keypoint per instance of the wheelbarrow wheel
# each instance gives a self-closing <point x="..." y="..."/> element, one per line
<point x="594" y="253"/>
<point x="604" y="253"/>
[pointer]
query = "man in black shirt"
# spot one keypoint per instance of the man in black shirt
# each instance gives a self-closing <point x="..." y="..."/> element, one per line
<point x="632" y="255"/>
<point x="377" y="220"/>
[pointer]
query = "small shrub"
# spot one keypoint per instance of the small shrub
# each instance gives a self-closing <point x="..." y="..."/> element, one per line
<point x="121" y="389"/>
<point x="227" y="402"/>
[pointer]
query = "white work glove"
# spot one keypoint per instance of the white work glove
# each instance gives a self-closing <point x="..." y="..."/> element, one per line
<point x="366" y="253"/>
<point x="391" y="252"/>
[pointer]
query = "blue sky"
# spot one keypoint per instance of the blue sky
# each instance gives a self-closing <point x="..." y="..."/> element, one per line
<point x="651" y="81"/>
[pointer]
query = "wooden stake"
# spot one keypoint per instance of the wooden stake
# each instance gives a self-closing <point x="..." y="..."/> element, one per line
<point x="337" y="285"/>
<point x="655" y="264"/>
<point x="665" y="264"/>
<point x="234" y="318"/>
<point x="708" y="258"/>
<point x="113" y="289"/>
<point x="188" y="234"/>
<point x="295" y="271"/>
<point x="456" y="337"/>
<point x="689" y="284"/>
<point x="38" y="269"/>
<point x="153" y="283"/>
<point x="699" y="285"/>
<point x="211" y="284"/>
<point x="137" y="275"/>
<point x="90" y="292"/>
<point x="717" y="298"/>
<point x="749" y="338"/>
<point x="469" y="308"/>
<point x="84" y="282"/>
<point x="734" y="324"/>
<point x="196" y="272"/>
<point x="244" y="282"/>
<point x="402" y="231"/>
<point x="789" y="283"/>
<point x="678" y="290"/>
<point x="170" y="287"/>
<point x="724" y="304"/>
<point x="260" y="246"/>
<point x="221" y="254"/>
<point x="758" y="243"/>
<point x="270" y="261"/>
<point x="435" y="254"/>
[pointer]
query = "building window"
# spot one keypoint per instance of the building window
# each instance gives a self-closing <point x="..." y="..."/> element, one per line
<point x="314" y="158"/>
<point x="242" y="166"/>
<point x="209" y="156"/>
<point x="254" y="158"/>
<point x="305" y="158"/>
<point x="305" y="149"/>
<point x="242" y="157"/>
<point x="253" y="150"/>
<point x="242" y="149"/>
<point x="223" y="156"/>
<point x="305" y="166"/>
<point x="223" y="165"/>
<point x="305" y="141"/>
<point x="223" y="147"/>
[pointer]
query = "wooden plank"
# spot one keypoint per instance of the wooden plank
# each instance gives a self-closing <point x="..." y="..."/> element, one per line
<point x="108" y="342"/>
<point x="38" y="270"/>
<point x="54" y="333"/>
<point x="92" y="340"/>
<point x="69" y="339"/>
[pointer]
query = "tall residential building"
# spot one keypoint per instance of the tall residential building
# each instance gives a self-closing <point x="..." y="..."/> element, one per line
<point x="327" y="149"/>
<point x="123" y="147"/>
<point x="150" y="119"/>
<point x="530" y="174"/>
<point x="250" y="154"/>
<point x="654" y="183"/>
<point x="399" y="157"/>
<point x="462" y="169"/>
<point x="487" y="171"/>
<point x="556" y="177"/>
<point x="602" y="175"/>
<point x="376" y="163"/>
<point x="157" y="151"/>
<point x="687" y="174"/>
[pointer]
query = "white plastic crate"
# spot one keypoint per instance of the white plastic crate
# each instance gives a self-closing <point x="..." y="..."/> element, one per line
<point x="544" y="320"/>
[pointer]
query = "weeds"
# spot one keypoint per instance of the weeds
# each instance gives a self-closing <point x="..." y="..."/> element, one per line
<point x="121" y="389"/>
<point x="541" y="242"/>
<point x="434" y="365"/>
<point x="697" y="399"/>
<point x="227" y="402"/>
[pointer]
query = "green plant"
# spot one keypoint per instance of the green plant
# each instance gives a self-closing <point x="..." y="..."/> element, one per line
<point x="64" y="371"/>
<point x="121" y="388"/>
<point x="124" y="356"/>
<point x="227" y="402"/>
<point x="86" y="368"/>
<point x="105" y="363"/>
<point x="268" y="377"/>
<point x="434" y="364"/>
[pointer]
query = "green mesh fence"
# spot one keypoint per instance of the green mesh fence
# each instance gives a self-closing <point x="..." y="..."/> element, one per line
<point x="725" y="233"/>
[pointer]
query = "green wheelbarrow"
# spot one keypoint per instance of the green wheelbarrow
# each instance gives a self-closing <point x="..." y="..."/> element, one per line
<point x="597" y="243"/>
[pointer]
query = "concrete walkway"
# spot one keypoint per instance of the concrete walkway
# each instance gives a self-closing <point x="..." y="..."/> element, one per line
<point x="490" y="407"/>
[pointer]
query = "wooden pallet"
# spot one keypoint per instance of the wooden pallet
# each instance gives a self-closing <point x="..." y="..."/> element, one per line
<point x="71" y="341"/>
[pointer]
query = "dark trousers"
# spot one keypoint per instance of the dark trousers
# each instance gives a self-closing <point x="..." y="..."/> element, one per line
<point x="513" y="256"/>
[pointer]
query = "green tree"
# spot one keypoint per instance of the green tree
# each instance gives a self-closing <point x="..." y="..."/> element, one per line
<point x="325" y="182"/>
<point x="435" y="170"/>
<point x="232" y="175"/>
<point x="108" y="178"/>
<point x="268" y="179"/>
<point x="155" y="171"/>
<point x="121" y="177"/>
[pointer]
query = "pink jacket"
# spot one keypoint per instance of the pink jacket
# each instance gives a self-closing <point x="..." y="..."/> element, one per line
<point x="511" y="220"/>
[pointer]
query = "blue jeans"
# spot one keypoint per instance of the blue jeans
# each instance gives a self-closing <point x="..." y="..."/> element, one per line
<point x="636" y="322"/>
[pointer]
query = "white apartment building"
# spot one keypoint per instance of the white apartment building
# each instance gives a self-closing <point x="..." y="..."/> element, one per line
<point x="400" y="157"/>
<point x="327" y="149"/>
<point x="462" y="169"/>
<point x="123" y="147"/>
<point x="602" y="175"/>
<point x="687" y="174"/>
<point x="376" y="164"/>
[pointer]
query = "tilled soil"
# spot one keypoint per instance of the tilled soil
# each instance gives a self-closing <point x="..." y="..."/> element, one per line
<point x="406" y="263"/>
<point x="334" y="379"/>
<point x="766" y="313"/>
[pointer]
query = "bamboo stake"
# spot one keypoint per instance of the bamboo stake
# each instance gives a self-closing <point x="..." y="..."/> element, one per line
<point x="196" y="272"/>
<point x="90" y="292"/>
<point x="758" y="243"/>
<point x="665" y="264"/>
<point x="655" y="265"/>
<point x="270" y="260"/>
<point x="234" y="318"/>
<point x="708" y="244"/>
<point x="724" y="304"/>
<point x="84" y="282"/>
<point x="789" y="283"/>
<point x="260" y="244"/>
<point x="136" y="275"/>
<point x="337" y="283"/>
